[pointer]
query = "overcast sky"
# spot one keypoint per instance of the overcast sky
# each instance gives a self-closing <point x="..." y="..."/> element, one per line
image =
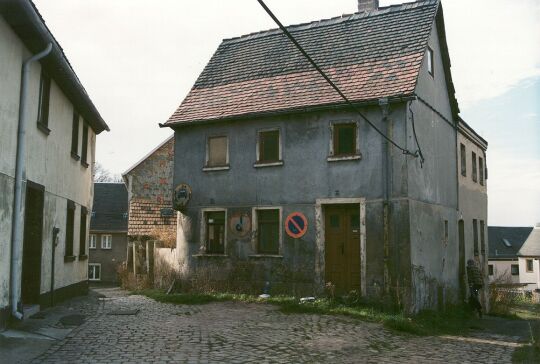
<point x="139" y="58"/>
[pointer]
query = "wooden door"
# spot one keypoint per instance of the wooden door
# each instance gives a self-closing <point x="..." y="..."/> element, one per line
<point x="32" y="244"/>
<point x="342" y="247"/>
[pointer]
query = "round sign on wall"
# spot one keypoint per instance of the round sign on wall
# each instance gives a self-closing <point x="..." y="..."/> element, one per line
<point x="182" y="195"/>
<point x="296" y="225"/>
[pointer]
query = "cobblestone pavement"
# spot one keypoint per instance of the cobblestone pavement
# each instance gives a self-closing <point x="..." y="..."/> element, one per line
<point x="246" y="333"/>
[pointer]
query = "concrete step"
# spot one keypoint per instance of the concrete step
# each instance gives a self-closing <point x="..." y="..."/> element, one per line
<point x="29" y="310"/>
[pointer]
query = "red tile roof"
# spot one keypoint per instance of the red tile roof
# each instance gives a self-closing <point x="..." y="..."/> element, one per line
<point x="368" y="56"/>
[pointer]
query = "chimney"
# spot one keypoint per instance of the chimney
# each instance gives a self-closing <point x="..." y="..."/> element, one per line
<point x="367" y="5"/>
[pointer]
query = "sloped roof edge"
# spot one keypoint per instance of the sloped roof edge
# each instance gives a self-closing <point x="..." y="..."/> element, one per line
<point x="30" y="27"/>
<point x="147" y="155"/>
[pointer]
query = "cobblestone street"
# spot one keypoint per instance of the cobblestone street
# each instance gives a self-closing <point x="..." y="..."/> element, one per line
<point x="245" y="333"/>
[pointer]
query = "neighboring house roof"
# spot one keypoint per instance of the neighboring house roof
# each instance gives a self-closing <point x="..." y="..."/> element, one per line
<point x="505" y="242"/>
<point x="27" y="23"/>
<point x="110" y="207"/>
<point x="147" y="155"/>
<point x="368" y="55"/>
<point x="531" y="248"/>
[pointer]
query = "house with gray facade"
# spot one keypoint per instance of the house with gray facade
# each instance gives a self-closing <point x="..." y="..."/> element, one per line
<point x="262" y="138"/>
<point x="48" y="136"/>
<point x="108" y="232"/>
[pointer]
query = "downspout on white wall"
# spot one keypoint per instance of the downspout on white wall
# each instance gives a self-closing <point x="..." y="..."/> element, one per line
<point x="20" y="169"/>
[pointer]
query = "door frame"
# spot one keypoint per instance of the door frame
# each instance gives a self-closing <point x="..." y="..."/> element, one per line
<point x="41" y="190"/>
<point x="320" y="239"/>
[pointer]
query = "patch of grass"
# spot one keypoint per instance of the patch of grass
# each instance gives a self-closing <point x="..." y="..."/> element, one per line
<point x="526" y="354"/>
<point x="454" y="321"/>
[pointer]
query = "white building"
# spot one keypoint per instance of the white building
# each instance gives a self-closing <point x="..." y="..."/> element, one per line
<point x="513" y="256"/>
<point x="48" y="132"/>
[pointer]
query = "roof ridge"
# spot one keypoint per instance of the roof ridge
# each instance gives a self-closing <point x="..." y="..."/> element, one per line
<point x="333" y="20"/>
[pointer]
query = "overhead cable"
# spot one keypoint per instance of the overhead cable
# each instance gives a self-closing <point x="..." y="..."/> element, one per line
<point x="330" y="82"/>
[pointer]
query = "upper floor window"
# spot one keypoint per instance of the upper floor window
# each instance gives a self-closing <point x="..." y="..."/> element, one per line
<point x="344" y="140"/>
<point x="474" y="168"/>
<point x="514" y="269"/>
<point x="84" y="146"/>
<point x="268" y="223"/>
<point x="269" y="147"/>
<point x="43" y="105"/>
<point x="530" y="267"/>
<point x="217" y="152"/>
<point x="106" y="241"/>
<point x="430" y="65"/>
<point x="215" y="232"/>
<point x="92" y="244"/>
<point x="481" y="170"/>
<point x="75" y="136"/>
<point x="463" y="155"/>
<point x="475" y="236"/>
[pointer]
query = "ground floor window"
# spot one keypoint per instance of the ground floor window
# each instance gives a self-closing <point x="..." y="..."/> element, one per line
<point x="530" y="265"/>
<point x="215" y="232"/>
<point x="514" y="269"/>
<point x="268" y="231"/>
<point x="94" y="272"/>
<point x="490" y="269"/>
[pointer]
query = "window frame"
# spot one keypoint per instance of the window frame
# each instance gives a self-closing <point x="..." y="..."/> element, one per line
<point x="516" y="271"/>
<point x="531" y="261"/>
<point x="75" y="135"/>
<point x="70" y="232"/>
<point x="255" y="231"/>
<point x="463" y="155"/>
<point x="207" y="166"/>
<point x="430" y="61"/>
<point x="482" y="227"/>
<point x="84" y="146"/>
<point x="44" y="100"/>
<point x="92" y="241"/>
<point x="103" y="246"/>
<point x="490" y="270"/>
<point x="333" y="156"/>
<point x="446" y="231"/>
<point x="204" y="231"/>
<point x="83" y="232"/>
<point x="268" y="163"/>
<point x="475" y="237"/>
<point x="474" y="169"/>
<point x="481" y="170"/>
<point x="95" y="265"/>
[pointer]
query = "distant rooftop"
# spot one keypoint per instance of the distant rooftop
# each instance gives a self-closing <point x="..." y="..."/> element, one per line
<point x="506" y="242"/>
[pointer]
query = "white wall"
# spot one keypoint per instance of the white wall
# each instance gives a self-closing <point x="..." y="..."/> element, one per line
<point x="531" y="278"/>
<point x="48" y="163"/>
<point x="502" y="268"/>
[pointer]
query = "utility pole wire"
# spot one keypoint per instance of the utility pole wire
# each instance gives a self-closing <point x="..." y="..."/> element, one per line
<point x="330" y="82"/>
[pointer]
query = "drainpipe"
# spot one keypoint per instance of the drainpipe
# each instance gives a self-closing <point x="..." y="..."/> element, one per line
<point x="16" y="232"/>
<point x="55" y="233"/>
<point x="383" y="104"/>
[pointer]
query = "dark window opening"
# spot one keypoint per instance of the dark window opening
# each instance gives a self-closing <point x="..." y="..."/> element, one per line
<point x="482" y="238"/>
<point x="514" y="269"/>
<point x="481" y="170"/>
<point x="345" y="139"/>
<point x="430" y="65"/>
<point x="490" y="269"/>
<point x="530" y="267"/>
<point x="269" y="146"/>
<point x="474" y="168"/>
<point x="84" y="149"/>
<point x="215" y="232"/>
<point x="463" y="160"/>
<point x="70" y="220"/>
<point x="446" y="230"/>
<point x="82" y="232"/>
<point x="75" y="136"/>
<point x="475" y="236"/>
<point x="44" y="97"/>
<point x="268" y="231"/>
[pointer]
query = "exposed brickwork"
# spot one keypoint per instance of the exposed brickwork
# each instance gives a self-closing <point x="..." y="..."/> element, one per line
<point x="150" y="187"/>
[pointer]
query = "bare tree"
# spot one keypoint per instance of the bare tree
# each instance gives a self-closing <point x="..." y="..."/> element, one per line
<point x="103" y="175"/>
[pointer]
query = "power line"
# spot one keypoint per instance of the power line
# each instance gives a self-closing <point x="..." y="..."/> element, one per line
<point x="330" y="82"/>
